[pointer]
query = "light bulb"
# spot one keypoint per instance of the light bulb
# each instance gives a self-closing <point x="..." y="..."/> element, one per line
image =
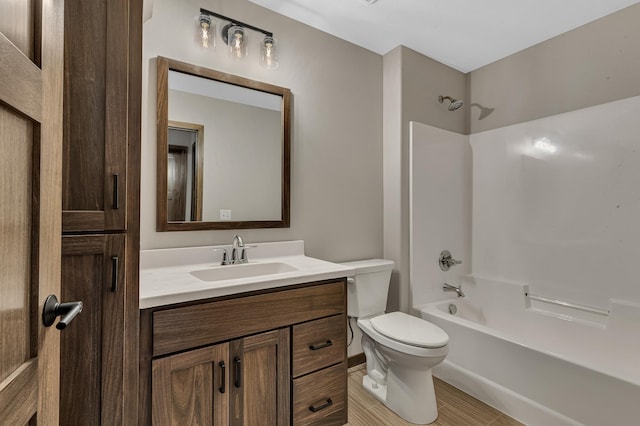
<point x="268" y="53"/>
<point x="205" y="32"/>
<point x="237" y="41"/>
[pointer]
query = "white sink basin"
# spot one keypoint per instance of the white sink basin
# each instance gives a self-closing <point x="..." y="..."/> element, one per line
<point x="246" y="270"/>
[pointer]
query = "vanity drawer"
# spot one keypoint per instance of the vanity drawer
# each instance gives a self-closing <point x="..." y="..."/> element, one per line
<point x="321" y="398"/>
<point x="183" y="328"/>
<point x="318" y="344"/>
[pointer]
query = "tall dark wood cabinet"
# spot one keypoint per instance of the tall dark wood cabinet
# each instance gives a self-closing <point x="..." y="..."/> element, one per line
<point x="100" y="203"/>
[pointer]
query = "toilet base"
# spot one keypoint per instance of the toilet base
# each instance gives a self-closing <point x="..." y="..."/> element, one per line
<point x="416" y="406"/>
<point x="378" y="391"/>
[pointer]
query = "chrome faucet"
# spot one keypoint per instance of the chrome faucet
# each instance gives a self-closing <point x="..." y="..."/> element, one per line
<point x="237" y="244"/>
<point x="449" y="287"/>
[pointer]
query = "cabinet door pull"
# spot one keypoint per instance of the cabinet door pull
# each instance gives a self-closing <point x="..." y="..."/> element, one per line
<point x="116" y="196"/>
<point x="223" y="369"/>
<point x="114" y="274"/>
<point x="317" y="346"/>
<point x="238" y="372"/>
<point x="327" y="403"/>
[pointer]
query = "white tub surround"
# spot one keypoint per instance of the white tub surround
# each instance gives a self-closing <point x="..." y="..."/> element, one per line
<point x="556" y="205"/>
<point x="177" y="275"/>
<point x="440" y="209"/>
<point x="549" y="330"/>
<point x="541" y="364"/>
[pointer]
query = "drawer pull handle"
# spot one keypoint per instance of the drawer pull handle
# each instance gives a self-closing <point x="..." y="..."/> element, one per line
<point x="223" y="369"/>
<point x="327" y="403"/>
<point x="238" y="372"/>
<point x="321" y="345"/>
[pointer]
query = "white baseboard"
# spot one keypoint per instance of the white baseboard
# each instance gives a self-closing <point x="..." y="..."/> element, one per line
<point x="497" y="396"/>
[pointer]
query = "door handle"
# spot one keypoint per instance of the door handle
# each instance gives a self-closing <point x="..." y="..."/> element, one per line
<point x="53" y="308"/>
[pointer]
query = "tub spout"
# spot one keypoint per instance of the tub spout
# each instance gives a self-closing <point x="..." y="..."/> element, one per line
<point x="449" y="287"/>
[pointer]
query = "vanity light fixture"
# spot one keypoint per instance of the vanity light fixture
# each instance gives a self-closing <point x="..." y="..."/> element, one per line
<point x="234" y="35"/>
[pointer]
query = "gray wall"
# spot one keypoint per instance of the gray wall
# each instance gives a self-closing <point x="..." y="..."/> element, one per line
<point x="593" y="64"/>
<point x="338" y="206"/>
<point x="336" y="181"/>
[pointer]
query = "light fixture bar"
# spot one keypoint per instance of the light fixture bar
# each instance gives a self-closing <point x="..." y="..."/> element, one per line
<point x="235" y="21"/>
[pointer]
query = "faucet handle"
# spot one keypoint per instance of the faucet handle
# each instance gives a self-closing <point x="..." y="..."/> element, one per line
<point x="225" y="260"/>
<point x="446" y="261"/>
<point x="243" y="255"/>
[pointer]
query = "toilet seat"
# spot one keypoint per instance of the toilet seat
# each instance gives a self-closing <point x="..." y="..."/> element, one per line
<point x="418" y="351"/>
<point x="410" y="330"/>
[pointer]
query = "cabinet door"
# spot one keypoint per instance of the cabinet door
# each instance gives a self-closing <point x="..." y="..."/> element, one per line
<point x="92" y="346"/>
<point x="192" y="388"/>
<point x="95" y="115"/>
<point x="260" y="380"/>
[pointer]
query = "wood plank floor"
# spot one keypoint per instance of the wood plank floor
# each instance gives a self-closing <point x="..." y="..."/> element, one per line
<point x="455" y="408"/>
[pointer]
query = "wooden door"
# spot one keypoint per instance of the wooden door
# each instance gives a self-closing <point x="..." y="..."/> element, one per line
<point x="177" y="183"/>
<point x="260" y="379"/>
<point x="93" y="349"/>
<point x="31" y="57"/>
<point x="192" y="388"/>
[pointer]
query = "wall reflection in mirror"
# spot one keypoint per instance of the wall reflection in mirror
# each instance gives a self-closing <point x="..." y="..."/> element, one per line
<point x="226" y="156"/>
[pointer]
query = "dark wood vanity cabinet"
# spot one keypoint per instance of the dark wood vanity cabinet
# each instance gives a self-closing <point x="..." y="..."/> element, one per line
<point x="276" y="357"/>
<point x="100" y="217"/>
<point x="242" y="382"/>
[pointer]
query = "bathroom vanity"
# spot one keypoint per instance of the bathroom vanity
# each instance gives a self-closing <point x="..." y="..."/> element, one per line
<point x="259" y="349"/>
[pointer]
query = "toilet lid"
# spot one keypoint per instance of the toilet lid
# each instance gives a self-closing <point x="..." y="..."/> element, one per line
<point x="410" y="330"/>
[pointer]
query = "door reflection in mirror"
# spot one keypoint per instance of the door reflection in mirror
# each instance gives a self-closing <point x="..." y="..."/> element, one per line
<point x="184" y="171"/>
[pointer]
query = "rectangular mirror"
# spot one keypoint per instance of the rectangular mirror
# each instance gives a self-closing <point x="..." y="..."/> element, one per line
<point x="223" y="150"/>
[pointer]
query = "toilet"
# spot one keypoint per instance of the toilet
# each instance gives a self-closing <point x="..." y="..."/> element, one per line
<point x="400" y="349"/>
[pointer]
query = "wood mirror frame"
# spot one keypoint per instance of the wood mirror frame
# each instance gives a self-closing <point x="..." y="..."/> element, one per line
<point x="162" y="222"/>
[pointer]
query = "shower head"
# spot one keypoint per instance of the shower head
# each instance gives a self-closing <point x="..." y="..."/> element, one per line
<point x="454" y="105"/>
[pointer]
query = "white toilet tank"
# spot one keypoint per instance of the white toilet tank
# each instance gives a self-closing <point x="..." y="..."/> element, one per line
<point x="367" y="293"/>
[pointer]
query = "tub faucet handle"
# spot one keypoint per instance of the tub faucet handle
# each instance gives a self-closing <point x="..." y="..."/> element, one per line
<point x="446" y="261"/>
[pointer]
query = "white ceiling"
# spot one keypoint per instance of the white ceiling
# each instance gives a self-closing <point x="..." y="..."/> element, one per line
<point x="464" y="34"/>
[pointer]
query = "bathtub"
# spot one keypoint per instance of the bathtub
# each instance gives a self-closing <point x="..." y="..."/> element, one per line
<point x="542" y="363"/>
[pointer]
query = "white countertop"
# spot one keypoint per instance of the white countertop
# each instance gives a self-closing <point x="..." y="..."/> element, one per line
<point x="165" y="274"/>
